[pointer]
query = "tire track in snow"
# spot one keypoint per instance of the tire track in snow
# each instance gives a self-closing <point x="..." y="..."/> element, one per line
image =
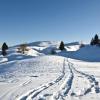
<point x="65" y="86"/>
<point x="94" y="84"/>
<point x="33" y="93"/>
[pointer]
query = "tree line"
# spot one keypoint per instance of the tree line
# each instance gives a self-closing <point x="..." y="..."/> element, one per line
<point x="95" y="40"/>
<point x="23" y="47"/>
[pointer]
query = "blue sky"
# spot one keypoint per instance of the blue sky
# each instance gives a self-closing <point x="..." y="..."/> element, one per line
<point x="36" y="20"/>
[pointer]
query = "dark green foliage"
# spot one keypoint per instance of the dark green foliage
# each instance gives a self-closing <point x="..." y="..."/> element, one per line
<point x="61" y="47"/>
<point x="92" y="42"/>
<point x="4" y="48"/>
<point x="4" y="53"/>
<point x="95" y="40"/>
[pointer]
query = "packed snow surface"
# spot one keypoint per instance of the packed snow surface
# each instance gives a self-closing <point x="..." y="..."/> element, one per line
<point x="72" y="74"/>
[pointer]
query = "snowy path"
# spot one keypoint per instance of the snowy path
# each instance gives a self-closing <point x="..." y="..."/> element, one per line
<point x="69" y="84"/>
<point x="30" y="95"/>
<point x="93" y="84"/>
<point x="77" y="84"/>
<point x="65" y="86"/>
<point x="84" y="86"/>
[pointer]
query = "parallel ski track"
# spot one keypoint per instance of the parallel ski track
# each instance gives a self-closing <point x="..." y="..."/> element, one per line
<point x="30" y="95"/>
<point x="93" y="82"/>
<point x="66" y="85"/>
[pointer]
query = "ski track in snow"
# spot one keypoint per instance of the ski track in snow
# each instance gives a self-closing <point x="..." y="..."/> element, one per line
<point x="33" y="93"/>
<point x="70" y="83"/>
<point x="94" y="84"/>
<point x="65" y="87"/>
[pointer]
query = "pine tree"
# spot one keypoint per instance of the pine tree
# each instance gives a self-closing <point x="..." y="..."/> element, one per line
<point x="96" y="39"/>
<point x="4" y="48"/>
<point x="61" y="47"/>
<point x="4" y="53"/>
<point x="92" y="42"/>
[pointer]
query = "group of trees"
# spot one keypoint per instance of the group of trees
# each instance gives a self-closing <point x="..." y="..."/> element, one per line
<point x="95" y="40"/>
<point x="23" y="47"/>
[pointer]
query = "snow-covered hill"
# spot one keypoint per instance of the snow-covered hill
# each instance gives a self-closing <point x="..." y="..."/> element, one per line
<point x="40" y="75"/>
<point x="87" y="53"/>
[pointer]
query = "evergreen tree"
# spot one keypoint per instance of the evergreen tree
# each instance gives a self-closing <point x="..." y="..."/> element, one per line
<point x="61" y="47"/>
<point x="92" y="42"/>
<point x="96" y="39"/>
<point x="4" y="48"/>
<point x="4" y="53"/>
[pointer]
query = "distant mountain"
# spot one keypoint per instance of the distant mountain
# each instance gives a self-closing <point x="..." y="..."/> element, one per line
<point x="72" y="43"/>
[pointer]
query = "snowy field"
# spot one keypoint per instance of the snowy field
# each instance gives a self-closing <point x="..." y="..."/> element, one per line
<point x="73" y="74"/>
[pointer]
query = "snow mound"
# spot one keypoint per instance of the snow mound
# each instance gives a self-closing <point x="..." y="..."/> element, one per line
<point x="73" y="48"/>
<point x="32" y="52"/>
<point x="87" y="53"/>
<point x="3" y="59"/>
<point x="48" y="50"/>
<point x="72" y="43"/>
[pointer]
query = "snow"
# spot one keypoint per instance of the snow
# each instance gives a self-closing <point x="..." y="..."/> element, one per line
<point x="44" y="43"/>
<point x="72" y="48"/>
<point x="72" y="74"/>
<point x="2" y="59"/>
<point x="87" y="53"/>
<point x="33" y="52"/>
